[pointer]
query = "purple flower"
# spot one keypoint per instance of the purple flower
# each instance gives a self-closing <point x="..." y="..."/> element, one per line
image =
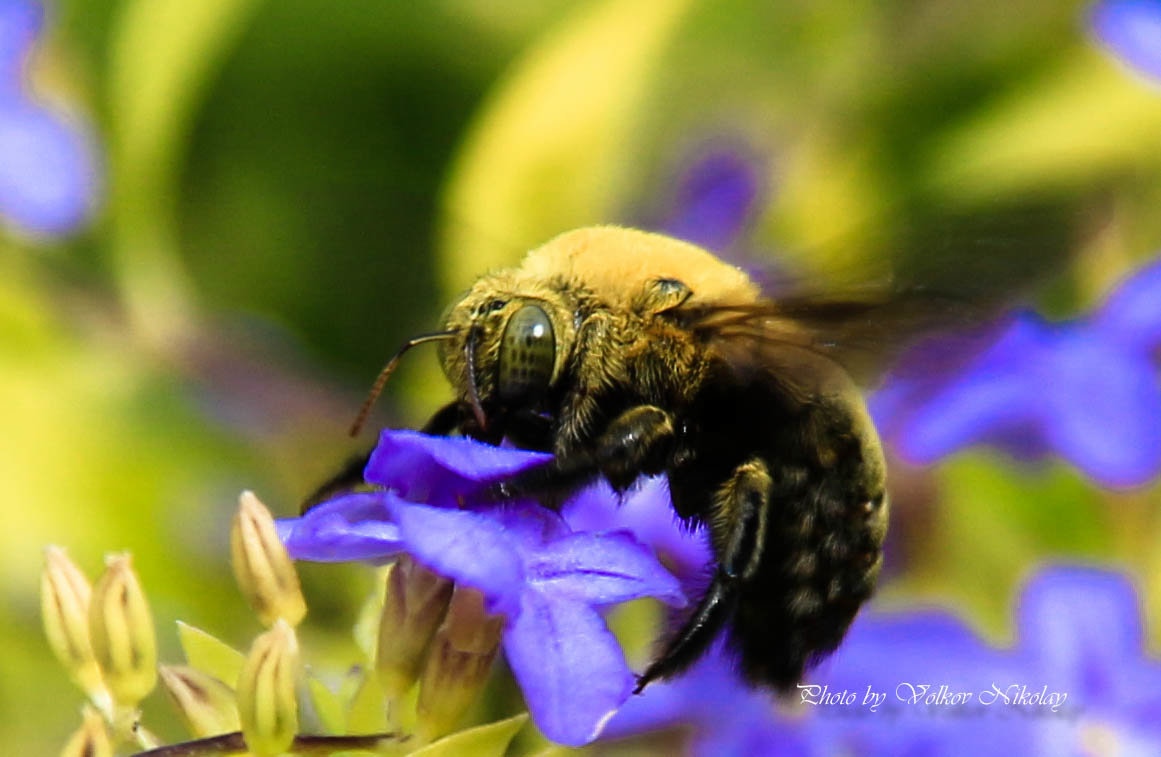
<point x="1081" y="633"/>
<point x="867" y="699"/>
<point x="646" y="512"/>
<point x="1078" y="681"/>
<point x="716" y="197"/>
<point x="1086" y="390"/>
<point x="47" y="175"/>
<point x="546" y="578"/>
<point x="1131" y="30"/>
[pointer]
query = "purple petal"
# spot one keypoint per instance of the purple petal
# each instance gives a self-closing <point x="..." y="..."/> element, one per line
<point x="568" y="664"/>
<point x="20" y="21"/>
<point x="1082" y="626"/>
<point x="1131" y="316"/>
<point x="1131" y="30"/>
<point x="440" y="470"/>
<point x="352" y="527"/>
<point x="993" y="399"/>
<point x="465" y="546"/>
<point x="698" y="697"/>
<point x="602" y="569"/>
<point x="1103" y="410"/>
<point x="529" y="525"/>
<point x="715" y="198"/>
<point x="47" y="176"/>
<point x="924" y="645"/>
<point x="981" y="407"/>
<point x="647" y="512"/>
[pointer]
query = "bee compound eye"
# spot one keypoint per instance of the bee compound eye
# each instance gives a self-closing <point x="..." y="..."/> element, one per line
<point x="527" y="354"/>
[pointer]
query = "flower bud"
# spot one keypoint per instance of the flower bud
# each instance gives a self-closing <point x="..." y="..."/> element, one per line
<point x="91" y="739"/>
<point x="64" y="606"/>
<point x="206" y="704"/>
<point x="121" y="630"/>
<point x="262" y="567"/>
<point x="414" y="604"/>
<point x="459" y="663"/>
<point x="266" y="691"/>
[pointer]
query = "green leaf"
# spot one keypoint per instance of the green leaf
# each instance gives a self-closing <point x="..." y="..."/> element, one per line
<point x="210" y="654"/>
<point x="1085" y="120"/>
<point x="164" y="54"/>
<point x="482" y="741"/>
<point x="366" y="629"/>
<point x="328" y="705"/>
<point x="368" y="710"/>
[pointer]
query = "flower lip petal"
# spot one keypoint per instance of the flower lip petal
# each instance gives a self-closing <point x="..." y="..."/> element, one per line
<point x="568" y="664"/>
<point x="1071" y="616"/>
<point x="602" y="569"/>
<point x="467" y="547"/>
<point x="1131" y="316"/>
<point x="20" y="22"/>
<point x="47" y="175"/>
<point x="1101" y="387"/>
<point x="350" y="527"/>
<point x="440" y="470"/>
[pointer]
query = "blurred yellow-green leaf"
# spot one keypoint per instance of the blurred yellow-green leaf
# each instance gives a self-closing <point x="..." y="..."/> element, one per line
<point x="482" y="741"/>
<point x="210" y="654"/>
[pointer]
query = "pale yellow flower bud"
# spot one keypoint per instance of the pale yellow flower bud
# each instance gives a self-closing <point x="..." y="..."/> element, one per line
<point x="414" y="604"/>
<point x="91" y="739"/>
<point x="266" y="691"/>
<point x="121" y="630"/>
<point x="262" y="567"/>
<point x="64" y="606"/>
<point x="459" y="663"/>
<point x="207" y="705"/>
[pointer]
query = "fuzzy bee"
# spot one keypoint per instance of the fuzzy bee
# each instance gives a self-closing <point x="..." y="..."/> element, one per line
<point x="627" y="353"/>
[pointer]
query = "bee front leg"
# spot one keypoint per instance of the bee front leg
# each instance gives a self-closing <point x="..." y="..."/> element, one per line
<point x="350" y="476"/>
<point x="638" y="442"/>
<point x="737" y="523"/>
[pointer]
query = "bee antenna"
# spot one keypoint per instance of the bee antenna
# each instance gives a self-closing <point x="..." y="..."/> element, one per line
<point x="388" y="369"/>
<point x="473" y="392"/>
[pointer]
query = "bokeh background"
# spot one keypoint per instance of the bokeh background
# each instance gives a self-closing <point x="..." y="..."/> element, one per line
<point x="233" y="211"/>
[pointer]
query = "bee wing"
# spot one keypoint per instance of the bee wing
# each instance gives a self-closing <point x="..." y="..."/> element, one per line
<point x="803" y="338"/>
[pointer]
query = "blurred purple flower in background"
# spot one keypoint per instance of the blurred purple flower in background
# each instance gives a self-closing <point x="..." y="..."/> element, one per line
<point x="1087" y="390"/>
<point x="1081" y="631"/>
<point x="1131" y="30"/>
<point x="547" y="579"/>
<point x="1078" y="682"/>
<point x="47" y="172"/>
<point x="716" y="196"/>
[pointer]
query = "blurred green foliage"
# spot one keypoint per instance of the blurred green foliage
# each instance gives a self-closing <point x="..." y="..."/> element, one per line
<point x="294" y="187"/>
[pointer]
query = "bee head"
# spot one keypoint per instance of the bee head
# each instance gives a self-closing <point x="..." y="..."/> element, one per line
<point x="510" y="346"/>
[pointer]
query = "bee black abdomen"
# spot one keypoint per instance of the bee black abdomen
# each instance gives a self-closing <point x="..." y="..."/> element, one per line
<point x="821" y="557"/>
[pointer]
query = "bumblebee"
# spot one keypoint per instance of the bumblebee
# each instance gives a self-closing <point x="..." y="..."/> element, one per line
<point x="626" y="353"/>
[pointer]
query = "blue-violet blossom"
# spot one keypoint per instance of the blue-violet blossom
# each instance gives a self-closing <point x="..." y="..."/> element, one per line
<point x="1131" y="30"/>
<point x="47" y="173"/>
<point x="1087" y="390"/>
<point x="1078" y="681"/>
<point x="547" y="579"/>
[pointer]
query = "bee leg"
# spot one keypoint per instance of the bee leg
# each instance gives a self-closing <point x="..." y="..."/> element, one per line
<point x="445" y="420"/>
<point x="350" y="476"/>
<point x="639" y="441"/>
<point x="696" y="634"/>
<point x="738" y="527"/>
<point x="530" y="431"/>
